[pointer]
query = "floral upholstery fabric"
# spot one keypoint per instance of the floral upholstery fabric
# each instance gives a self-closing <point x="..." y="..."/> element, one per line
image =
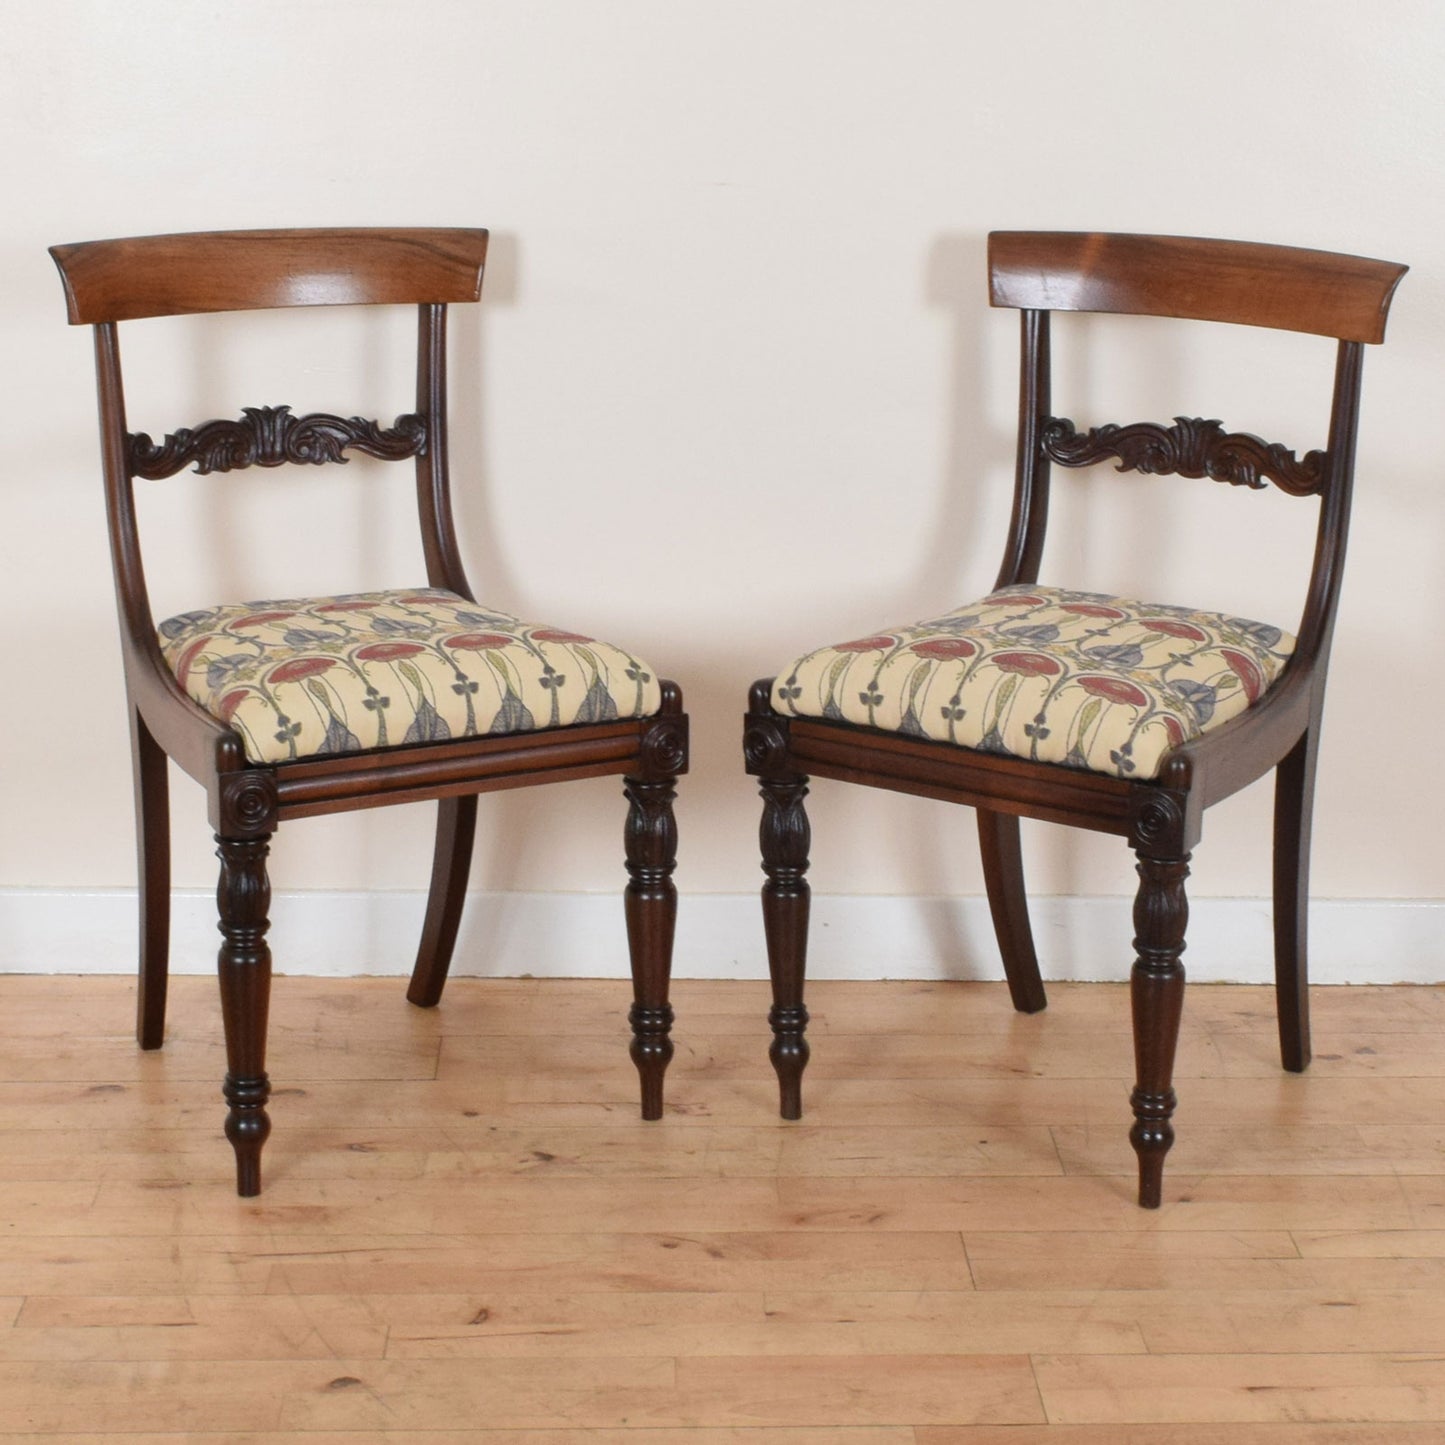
<point x="327" y="675"/>
<point x="1079" y="678"/>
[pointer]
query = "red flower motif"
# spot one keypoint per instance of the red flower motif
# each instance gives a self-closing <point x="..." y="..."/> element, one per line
<point x="1174" y="729"/>
<point x="387" y="651"/>
<point x="1115" y="689"/>
<point x="1174" y="629"/>
<point x="1092" y="609"/>
<point x="226" y="708"/>
<point x="1029" y="664"/>
<point x="347" y="607"/>
<point x="944" y="647"/>
<point x="1247" y="671"/>
<point x="299" y="667"/>
<point x="867" y="644"/>
<point x="257" y="619"/>
<point x="183" y="666"/>
<point x="556" y="634"/>
<point x="478" y="641"/>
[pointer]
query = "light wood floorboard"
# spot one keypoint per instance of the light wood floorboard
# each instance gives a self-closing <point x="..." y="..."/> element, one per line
<point x="467" y="1234"/>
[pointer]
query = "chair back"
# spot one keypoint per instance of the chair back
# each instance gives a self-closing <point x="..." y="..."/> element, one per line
<point x="1280" y="287"/>
<point x="110" y="281"/>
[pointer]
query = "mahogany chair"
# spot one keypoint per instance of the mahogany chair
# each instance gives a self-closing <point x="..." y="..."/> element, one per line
<point x="1097" y="711"/>
<point x="286" y="709"/>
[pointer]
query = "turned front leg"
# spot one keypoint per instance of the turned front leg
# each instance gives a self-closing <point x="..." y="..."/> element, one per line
<point x="243" y="897"/>
<point x="651" y="906"/>
<point x="1161" y="912"/>
<point x="785" y="838"/>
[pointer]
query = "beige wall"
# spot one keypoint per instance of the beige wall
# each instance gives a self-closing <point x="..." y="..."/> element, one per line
<point x="735" y="389"/>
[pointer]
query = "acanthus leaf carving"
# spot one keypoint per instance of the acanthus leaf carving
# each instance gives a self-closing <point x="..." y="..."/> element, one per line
<point x="785" y="834"/>
<point x="269" y="436"/>
<point x="650" y="834"/>
<point x="1191" y="447"/>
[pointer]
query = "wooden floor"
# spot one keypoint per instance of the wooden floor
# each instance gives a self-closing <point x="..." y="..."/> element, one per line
<point x="468" y="1235"/>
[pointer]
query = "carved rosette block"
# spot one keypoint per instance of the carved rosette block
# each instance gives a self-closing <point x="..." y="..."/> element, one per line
<point x="662" y="751"/>
<point x="1192" y="447"/>
<point x="1157" y="823"/>
<point x="245" y="804"/>
<point x="785" y="838"/>
<point x="765" y="747"/>
<point x="243" y="898"/>
<point x="1161" y="914"/>
<point x="650" y="904"/>
<point x="765" y="735"/>
<point x="269" y="436"/>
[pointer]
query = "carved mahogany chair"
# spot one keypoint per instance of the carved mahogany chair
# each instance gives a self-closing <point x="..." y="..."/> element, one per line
<point x="285" y="709"/>
<point x="1101" y="712"/>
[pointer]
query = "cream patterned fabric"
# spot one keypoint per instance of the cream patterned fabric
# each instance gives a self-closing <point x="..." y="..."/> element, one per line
<point x="322" y="675"/>
<point x="1079" y="678"/>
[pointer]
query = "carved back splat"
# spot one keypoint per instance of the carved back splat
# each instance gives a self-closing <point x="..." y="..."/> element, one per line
<point x="1192" y="447"/>
<point x="1345" y="297"/>
<point x="269" y="436"/>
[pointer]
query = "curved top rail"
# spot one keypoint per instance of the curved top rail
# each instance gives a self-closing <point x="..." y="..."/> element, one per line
<point x="176" y="275"/>
<point x="1284" y="287"/>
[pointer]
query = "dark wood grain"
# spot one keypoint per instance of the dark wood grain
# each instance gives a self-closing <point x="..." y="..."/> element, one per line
<point x="1284" y="287"/>
<point x="1344" y="297"/>
<point x="243" y="898"/>
<point x="416" y="774"/>
<point x="1029" y="522"/>
<point x="930" y="769"/>
<point x="153" y="866"/>
<point x="785" y="837"/>
<point x="1003" y="876"/>
<point x="433" y="476"/>
<point x="1156" y="990"/>
<point x="450" y="869"/>
<point x="1294" y="791"/>
<point x="650" y="904"/>
<point x="650" y="899"/>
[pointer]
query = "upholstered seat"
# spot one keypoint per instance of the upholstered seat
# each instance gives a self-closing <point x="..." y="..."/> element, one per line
<point x="323" y="675"/>
<point x="1080" y="678"/>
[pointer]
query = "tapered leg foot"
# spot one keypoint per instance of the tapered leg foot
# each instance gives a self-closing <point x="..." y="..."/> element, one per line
<point x="153" y="864"/>
<point x="1161" y="913"/>
<point x="789" y="1054"/>
<point x="651" y="906"/>
<point x="248" y="1126"/>
<point x="243" y="897"/>
<point x="785" y="838"/>
<point x="1294" y="789"/>
<point x="451" y="866"/>
<point x="1003" y="873"/>
<point x="651" y="1051"/>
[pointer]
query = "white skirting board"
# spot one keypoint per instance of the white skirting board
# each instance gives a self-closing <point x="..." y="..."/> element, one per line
<point x="507" y="935"/>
